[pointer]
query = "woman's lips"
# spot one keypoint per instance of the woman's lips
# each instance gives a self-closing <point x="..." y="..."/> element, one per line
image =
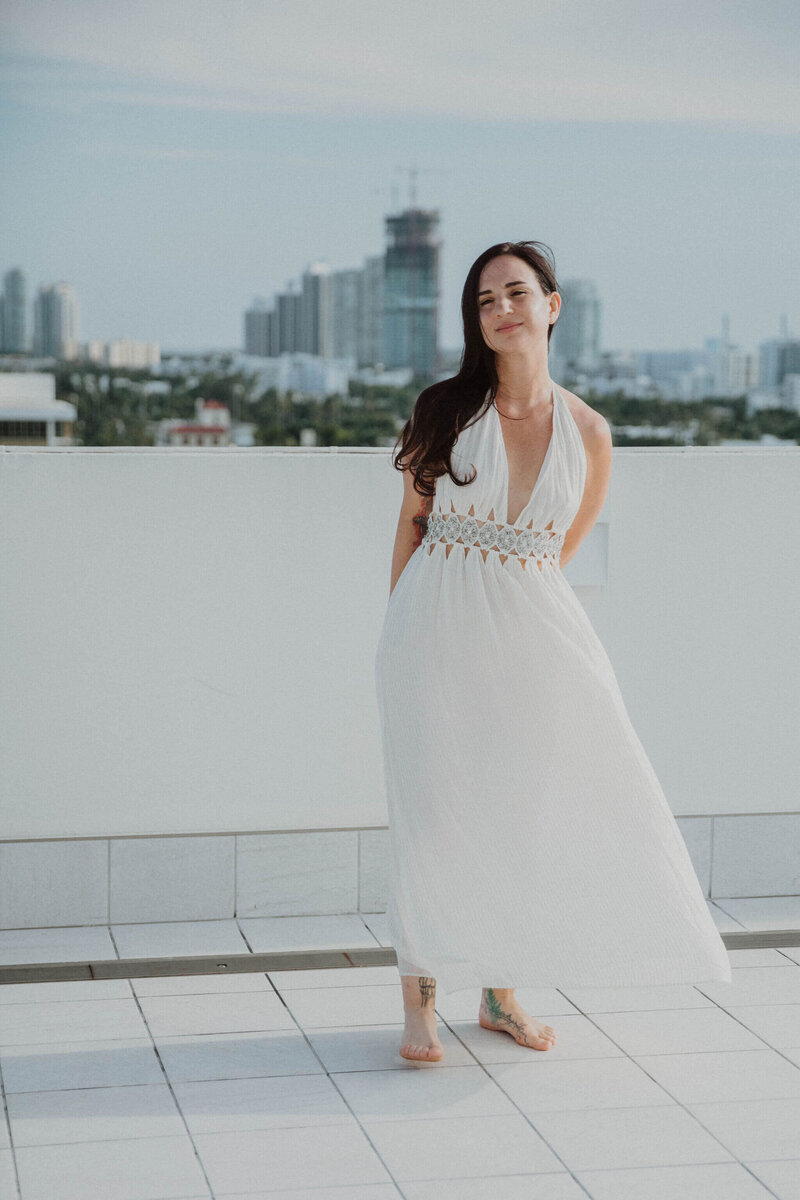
<point x="503" y="328"/>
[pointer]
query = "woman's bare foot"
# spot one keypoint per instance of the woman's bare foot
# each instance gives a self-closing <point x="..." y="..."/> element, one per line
<point x="500" y="1011"/>
<point x="420" y="1042"/>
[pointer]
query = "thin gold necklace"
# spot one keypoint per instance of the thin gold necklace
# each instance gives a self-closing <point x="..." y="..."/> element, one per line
<point x="509" y="418"/>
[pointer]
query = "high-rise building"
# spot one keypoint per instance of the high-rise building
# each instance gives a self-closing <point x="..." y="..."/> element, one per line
<point x="286" y="333"/>
<point x="14" y="337"/>
<point x="411" y="296"/>
<point x="346" y="293"/>
<point x="575" y="342"/>
<point x="257" y="329"/>
<point x="316" y="326"/>
<point x="741" y="371"/>
<point x="56" y="321"/>
<point x="778" y="357"/>
<point x="337" y="315"/>
<point x="371" y="316"/>
<point x="733" y="371"/>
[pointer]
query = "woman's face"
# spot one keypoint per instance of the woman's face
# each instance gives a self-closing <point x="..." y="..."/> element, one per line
<point x="513" y="310"/>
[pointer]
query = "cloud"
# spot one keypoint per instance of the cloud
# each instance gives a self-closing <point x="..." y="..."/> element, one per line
<point x="731" y="65"/>
<point x="95" y="149"/>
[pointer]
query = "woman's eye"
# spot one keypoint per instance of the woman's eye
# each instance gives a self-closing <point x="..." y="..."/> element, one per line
<point x="483" y="302"/>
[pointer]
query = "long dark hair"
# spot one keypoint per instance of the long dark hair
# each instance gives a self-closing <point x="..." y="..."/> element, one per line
<point x="442" y="410"/>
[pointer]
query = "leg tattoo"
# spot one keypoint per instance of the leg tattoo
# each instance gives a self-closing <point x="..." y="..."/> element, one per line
<point x="500" y="1016"/>
<point x="427" y="988"/>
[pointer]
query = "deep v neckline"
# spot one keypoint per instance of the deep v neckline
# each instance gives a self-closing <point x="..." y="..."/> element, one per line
<point x="543" y="467"/>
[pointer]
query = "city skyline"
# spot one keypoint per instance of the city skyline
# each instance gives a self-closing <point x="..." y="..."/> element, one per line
<point x="172" y="170"/>
<point x="269" y="328"/>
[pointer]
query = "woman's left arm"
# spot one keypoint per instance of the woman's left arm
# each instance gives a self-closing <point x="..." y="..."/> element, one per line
<point x="596" y="436"/>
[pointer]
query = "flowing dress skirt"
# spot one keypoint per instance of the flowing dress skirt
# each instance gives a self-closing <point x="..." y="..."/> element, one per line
<point x="531" y="842"/>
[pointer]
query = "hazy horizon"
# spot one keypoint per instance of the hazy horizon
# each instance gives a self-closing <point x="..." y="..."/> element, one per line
<point x="172" y="162"/>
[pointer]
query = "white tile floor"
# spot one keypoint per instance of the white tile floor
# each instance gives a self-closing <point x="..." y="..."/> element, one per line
<point x="290" y="1085"/>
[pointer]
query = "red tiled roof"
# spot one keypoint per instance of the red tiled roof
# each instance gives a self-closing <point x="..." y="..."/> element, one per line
<point x="198" y="429"/>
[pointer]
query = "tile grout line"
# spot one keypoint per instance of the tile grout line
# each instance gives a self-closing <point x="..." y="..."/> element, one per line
<point x="167" y="1079"/>
<point x="511" y="1100"/>
<point x="327" y="1072"/>
<point x="108" y="884"/>
<point x="12" y="1147"/>
<point x="677" y="1102"/>
<point x="572" y="1003"/>
<point x="715" y="901"/>
<point x="768" y="1045"/>
<point x="236" y="879"/>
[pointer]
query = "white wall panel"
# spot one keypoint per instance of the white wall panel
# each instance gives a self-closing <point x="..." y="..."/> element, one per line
<point x="187" y="637"/>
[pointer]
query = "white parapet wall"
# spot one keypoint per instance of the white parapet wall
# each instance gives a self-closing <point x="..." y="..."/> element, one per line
<point x="187" y="637"/>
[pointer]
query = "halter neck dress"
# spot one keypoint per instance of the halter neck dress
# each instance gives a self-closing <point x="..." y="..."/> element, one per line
<point x="531" y="843"/>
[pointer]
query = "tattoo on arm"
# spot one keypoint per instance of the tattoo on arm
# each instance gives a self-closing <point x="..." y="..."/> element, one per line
<point x="421" y="520"/>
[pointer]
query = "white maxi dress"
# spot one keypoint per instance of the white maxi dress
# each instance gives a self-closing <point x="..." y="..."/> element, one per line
<point x="531" y="843"/>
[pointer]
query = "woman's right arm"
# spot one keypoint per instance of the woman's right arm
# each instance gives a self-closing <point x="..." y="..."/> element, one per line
<point x="409" y="534"/>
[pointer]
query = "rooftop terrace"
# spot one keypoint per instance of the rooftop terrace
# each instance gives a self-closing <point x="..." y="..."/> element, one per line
<point x="194" y="845"/>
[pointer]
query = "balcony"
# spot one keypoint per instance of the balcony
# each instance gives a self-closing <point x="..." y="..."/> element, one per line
<point x="199" y="995"/>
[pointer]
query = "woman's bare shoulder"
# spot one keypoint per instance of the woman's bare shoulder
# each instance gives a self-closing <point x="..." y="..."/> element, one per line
<point x="413" y="501"/>
<point x="591" y="423"/>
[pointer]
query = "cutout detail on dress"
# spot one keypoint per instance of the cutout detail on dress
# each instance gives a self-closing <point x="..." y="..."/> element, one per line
<point x="455" y="528"/>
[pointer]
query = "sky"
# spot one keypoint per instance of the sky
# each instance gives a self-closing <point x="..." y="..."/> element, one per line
<point x="174" y="159"/>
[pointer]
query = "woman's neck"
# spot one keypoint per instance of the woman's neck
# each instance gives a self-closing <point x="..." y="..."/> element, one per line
<point x="522" y="384"/>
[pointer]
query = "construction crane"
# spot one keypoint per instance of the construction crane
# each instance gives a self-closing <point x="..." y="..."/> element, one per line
<point x="413" y="279"/>
<point x="413" y="172"/>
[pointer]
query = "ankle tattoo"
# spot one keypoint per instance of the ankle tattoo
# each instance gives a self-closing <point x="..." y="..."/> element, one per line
<point x="492" y="1003"/>
<point x="427" y="989"/>
<point x="500" y="1015"/>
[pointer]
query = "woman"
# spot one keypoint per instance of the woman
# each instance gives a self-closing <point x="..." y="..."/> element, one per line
<point x="531" y="842"/>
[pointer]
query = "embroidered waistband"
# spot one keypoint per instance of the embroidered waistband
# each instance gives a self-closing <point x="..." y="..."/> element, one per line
<point x="491" y="535"/>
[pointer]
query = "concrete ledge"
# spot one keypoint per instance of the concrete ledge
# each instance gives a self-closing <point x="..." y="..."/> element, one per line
<point x="285" y="960"/>
<point x="108" y="881"/>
